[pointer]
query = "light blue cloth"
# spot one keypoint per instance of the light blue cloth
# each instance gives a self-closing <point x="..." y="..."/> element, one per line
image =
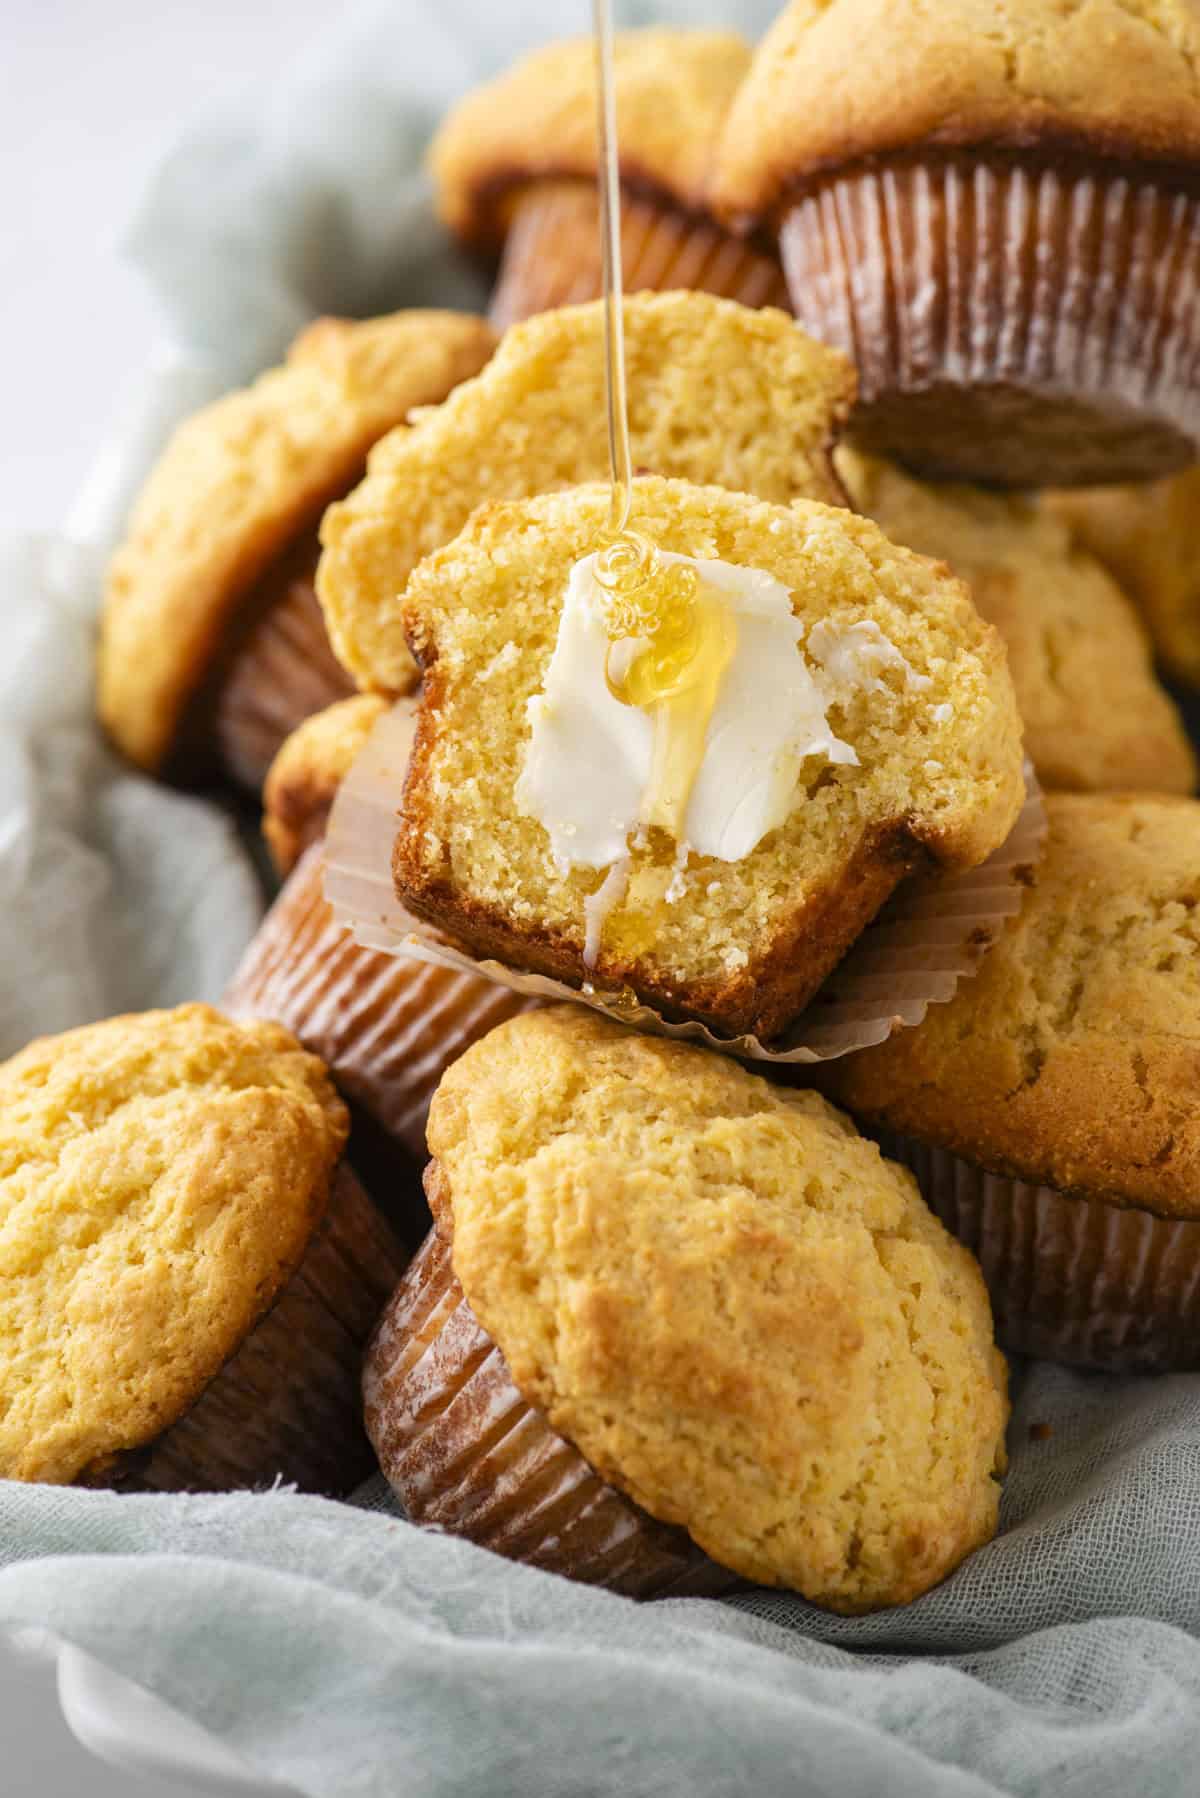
<point x="343" y="1650"/>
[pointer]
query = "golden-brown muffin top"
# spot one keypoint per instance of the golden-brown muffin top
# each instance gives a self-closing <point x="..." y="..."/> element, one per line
<point x="1072" y="1059"/>
<point x="728" y="1301"/>
<point x="1149" y="536"/>
<point x="835" y="81"/>
<point x="1095" y="717"/>
<point x="237" y="483"/>
<point x="538" y="119"/>
<point x="717" y="392"/>
<point x="939" y="756"/>
<point x="304" y="778"/>
<point x="160" y="1178"/>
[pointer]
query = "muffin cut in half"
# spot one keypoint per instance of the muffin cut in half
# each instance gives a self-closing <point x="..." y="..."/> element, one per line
<point x="1049" y="1109"/>
<point x="670" y="1311"/>
<point x="188" y="1270"/>
<point x="212" y="644"/>
<point x="1149" y="537"/>
<point x="914" y="686"/>
<point x="516" y="170"/>
<point x="994" y="207"/>
<point x="716" y="393"/>
<point x="1095" y="717"/>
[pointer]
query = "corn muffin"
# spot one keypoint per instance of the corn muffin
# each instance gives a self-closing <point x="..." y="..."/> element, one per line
<point x="305" y="775"/>
<point x="1050" y="1107"/>
<point x="716" y="393"/>
<point x="188" y="1270"/>
<point x="891" y="740"/>
<point x="993" y="206"/>
<point x="212" y="645"/>
<point x="670" y="1294"/>
<point x="1149" y="537"/>
<point x="515" y="165"/>
<point x="1095" y="717"/>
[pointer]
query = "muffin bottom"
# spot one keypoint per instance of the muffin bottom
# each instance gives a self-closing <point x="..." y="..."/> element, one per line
<point x="1011" y="322"/>
<point x="277" y="670"/>
<point x="1072" y="1279"/>
<point x="464" y="1452"/>
<point x="286" y="1405"/>
<point x="553" y="256"/>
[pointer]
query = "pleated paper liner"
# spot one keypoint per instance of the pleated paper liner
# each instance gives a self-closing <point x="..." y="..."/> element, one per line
<point x="287" y="1405"/>
<point x="1011" y="322"/>
<point x="1072" y="1279"/>
<point x="386" y="1027"/>
<point x="464" y="1452"/>
<point x="927" y="939"/>
<point x="277" y="671"/>
<point x="552" y="255"/>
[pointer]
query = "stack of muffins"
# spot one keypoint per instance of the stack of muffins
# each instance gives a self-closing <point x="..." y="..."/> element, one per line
<point x="914" y="374"/>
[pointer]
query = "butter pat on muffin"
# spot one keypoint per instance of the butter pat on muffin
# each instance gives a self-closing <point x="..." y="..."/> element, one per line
<point x="906" y="750"/>
<point x="727" y="1308"/>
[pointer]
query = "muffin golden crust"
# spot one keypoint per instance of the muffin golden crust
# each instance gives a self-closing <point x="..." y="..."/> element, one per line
<point x="1072" y="1058"/>
<point x="307" y="772"/>
<point x="538" y="120"/>
<point x="1149" y="536"/>
<point x="839" y="81"/>
<point x="740" y="1314"/>
<point x="1095" y="717"/>
<point x="237" y="484"/>
<point x="160" y="1179"/>
<point x="938" y="775"/>
<point x="717" y="393"/>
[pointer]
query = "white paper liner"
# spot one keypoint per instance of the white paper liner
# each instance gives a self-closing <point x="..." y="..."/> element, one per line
<point x="926" y="939"/>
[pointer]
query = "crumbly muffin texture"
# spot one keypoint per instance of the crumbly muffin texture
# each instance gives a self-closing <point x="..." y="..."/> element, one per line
<point x="237" y="484"/>
<point x="538" y="120"/>
<point x="1072" y="1059"/>
<point x="304" y="777"/>
<point x="161" y="1176"/>
<point x="839" y="81"/>
<point x="939" y="775"/>
<point x="717" y="392"/>
<point x="1148" y="534"/>
<point x="735" y="1308"/>
<point x="1095" y="717"/>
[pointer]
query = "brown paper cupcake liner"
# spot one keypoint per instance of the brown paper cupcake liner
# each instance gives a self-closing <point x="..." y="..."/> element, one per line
<point x="552" y="255"/>
<point x="464" y="1452"/>
<point x="387" y="1028"/>
<point x="1010" y="322"/>
<point x="930" y="936"/>
<point x="1071" y="1278"/>
<point x="279" y="670"/>
<point x="287" y="1405"/>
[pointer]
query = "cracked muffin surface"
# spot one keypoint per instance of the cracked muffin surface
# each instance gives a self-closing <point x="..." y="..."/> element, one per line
<point x="1073" y="1057"/>
<point x="739" y="1312"/>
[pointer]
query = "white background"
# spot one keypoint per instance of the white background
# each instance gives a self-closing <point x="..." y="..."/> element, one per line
<point x="90" y="91"/>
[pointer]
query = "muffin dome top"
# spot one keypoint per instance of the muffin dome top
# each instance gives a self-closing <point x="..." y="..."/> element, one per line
<point x="734" y="1307"/>
<point x="835" y="81"/>
<point x="237" y="483"/>
<point x="1072" y="1059"/>
<point x="160" y="1178"/>
<point x="538" y="119"/>
<point x="310" y="766"/>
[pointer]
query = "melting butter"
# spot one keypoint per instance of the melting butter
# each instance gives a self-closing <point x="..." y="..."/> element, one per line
<point x="590" y="773"/>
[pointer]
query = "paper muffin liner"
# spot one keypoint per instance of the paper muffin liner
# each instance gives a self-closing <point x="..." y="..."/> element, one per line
<point x="1010" y="322"/>
<point x="930" y="936"/>
<point x="552" y="255"/>
<point x="386" y="1027"/>
<point x="1071" y="1278"/>
<point x="464" y="1452"/>
<point x="278" y="670"/>
<point x="287" y="1405"/>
